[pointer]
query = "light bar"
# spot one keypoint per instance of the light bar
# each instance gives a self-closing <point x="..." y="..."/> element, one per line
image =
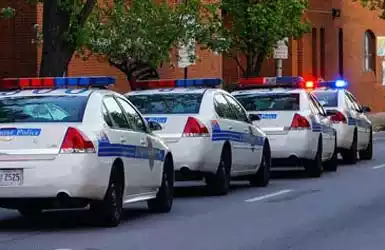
<point x="179" y="83"/>
<point x="55" y="82"/>
<point x="268" y="82"/>
<point x="337" y="84"/>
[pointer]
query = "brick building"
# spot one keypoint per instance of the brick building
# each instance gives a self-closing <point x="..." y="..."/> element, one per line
<point x="343" y="46"/>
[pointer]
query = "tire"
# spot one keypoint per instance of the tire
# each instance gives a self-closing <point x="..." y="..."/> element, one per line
<point x="350" y="156"/>
<point x="367" y="154"/>
<point x="262" y="177"/>
<point x="109" y="211"/>
<point x="165" y="196"/>
<point x="332" y="164"/>
<point x="219" y="183"/>
<point x="314" y="167"/>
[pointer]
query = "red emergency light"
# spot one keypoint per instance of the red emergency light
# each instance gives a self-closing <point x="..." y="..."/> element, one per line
<point x="178" y="83"/>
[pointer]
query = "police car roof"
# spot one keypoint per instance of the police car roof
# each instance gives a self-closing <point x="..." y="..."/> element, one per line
<point x="268" y="91"/>
<point x="191" y="90"/>
<point x="50" y="92"/>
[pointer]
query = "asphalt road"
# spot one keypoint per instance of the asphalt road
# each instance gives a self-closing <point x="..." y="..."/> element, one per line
<point x="343" y="210"/>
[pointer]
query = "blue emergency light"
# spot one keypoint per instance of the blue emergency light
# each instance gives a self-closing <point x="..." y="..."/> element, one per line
<point x="179" y="83"/>
<point x="337" y="84"/>
<point x="56" y="82"/>
<point x="269" y="82"/>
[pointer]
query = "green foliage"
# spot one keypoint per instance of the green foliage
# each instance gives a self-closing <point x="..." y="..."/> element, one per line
<point x="374" y="5"/>
<point x="144" y="31"/>
<point x="256" y="26"/>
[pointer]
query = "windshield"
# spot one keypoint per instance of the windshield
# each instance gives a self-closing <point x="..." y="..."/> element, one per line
<point x="269" y="101"/>
<point x="327" y="99"/>
<point x="177" y="103"/>
<point x="42" y="109"/>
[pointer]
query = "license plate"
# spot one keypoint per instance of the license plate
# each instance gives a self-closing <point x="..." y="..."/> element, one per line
<point x="12" y="177"/>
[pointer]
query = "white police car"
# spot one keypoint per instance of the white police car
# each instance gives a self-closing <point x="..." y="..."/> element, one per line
<point x="209" y="132"/>
<point x="62" y="147"/>
<point x="354" y="129"/>
<point x="298" y="128"/>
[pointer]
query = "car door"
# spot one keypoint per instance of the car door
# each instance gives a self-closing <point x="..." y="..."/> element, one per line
<point x="227" y="131"/>
<point x="125" y="145"/>
<point x="252" y="149"/>
<point x="151" y="168"/>
<point x="363" y="125"/>
<point x="321" y="119"/>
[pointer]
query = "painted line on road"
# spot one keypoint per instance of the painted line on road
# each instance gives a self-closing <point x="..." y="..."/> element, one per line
<point x="266" y="196"/>
<point x="379" y="166"/>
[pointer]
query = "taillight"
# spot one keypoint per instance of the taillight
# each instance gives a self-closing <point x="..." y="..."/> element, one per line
<point x="299" y="122"/>
<point x="76" y="142"/>
<point x="195" y="128"/>
<point x="338" y="117"/>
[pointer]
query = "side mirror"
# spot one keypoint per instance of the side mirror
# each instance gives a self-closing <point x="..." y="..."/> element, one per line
<point x="154" y="126"/>
<point x="254" y="117"/>
<point x="331" y="112"/>
<point x="365" y="109"/>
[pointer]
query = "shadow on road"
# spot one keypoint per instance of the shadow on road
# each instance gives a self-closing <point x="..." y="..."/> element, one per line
<point x="78" y="220"/>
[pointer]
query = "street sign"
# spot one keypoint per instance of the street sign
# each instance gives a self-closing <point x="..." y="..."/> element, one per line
<point x="187" y="51"/>
<point x="281" y="51"/>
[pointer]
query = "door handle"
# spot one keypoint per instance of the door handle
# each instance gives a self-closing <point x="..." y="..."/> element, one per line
<point x="143" y="142"/>
<point x="123" y="139"/>
<point x="230" y="128"/>
<point x="246" y="130"/>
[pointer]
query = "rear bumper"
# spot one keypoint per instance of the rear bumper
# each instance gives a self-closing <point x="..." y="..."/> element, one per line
<point x="76" y="175"/>
<point x="193" y="156"/>
<point x="292" y="146"/>
<point x="344" y="135"/>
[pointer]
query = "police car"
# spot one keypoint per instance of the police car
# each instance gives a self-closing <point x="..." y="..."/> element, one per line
<point x="354" y="129"/>
<point x="209" y="132"/>
<point x="298" y="128"/>
<point x="66" y="143"/>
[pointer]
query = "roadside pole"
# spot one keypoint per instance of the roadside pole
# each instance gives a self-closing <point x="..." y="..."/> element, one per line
<point x="281" y="52"/>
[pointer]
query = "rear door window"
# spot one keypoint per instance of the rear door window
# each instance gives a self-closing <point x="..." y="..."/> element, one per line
<point x="327" y="99"/>
<point x="48" y="109"/>
<point x="269" y="101"/>
<point x="170" y="103"/>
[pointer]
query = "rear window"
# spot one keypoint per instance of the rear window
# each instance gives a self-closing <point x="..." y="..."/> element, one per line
<point x="327" y="99"/>
<point x="167" y="103"/>
<point x="42" y="109"/>
<point x="271" y="101"/>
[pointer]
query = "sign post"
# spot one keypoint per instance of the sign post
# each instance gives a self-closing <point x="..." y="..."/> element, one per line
<point x="281" y="51"/>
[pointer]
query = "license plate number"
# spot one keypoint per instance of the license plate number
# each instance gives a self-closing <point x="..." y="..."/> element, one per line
<point x="11" y="177"/>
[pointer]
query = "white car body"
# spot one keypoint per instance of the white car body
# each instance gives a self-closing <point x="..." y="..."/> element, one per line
<point x="34" y="167"/>
<point x="196" y="155"/>
<point x="354" y="120"/>
<point x="290" y="146"/>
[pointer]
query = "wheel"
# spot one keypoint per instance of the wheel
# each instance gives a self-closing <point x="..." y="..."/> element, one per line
<point x="30" y="212"/>
<point x="350" y="156"/>
<point x="314" y="167"/>
<point x="165" y="196"/>
<point x="367" y="154"/>
<point x="332" y="164"/>
<point x="219" y="183"/>
<point x="108" y="211"/>
<point x="262" y="177"/>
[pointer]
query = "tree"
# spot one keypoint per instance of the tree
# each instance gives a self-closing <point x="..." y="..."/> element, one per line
<point x="255" y="27"/>
<point x="63" y="31"/>
<point x="138" y="38"/>
<point x="375" y="5"/>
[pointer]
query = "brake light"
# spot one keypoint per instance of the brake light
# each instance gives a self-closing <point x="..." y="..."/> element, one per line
<point x="195" y="128"/>
<point x="76" y="142"/>
<point x="338" y="117"/>
<point x="299" y="122"/>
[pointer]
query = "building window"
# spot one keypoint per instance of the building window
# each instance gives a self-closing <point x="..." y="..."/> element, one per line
<point x="369" y="51"/>
<point x="341" y="52"/>
<point x="314" y="52"/>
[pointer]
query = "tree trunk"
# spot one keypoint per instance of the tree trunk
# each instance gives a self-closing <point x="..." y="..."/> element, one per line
<point x="135" y="70"/>
<point x="57" y="50"/>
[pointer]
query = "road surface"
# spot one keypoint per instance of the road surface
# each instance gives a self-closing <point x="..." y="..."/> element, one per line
<point x="343" y="210"/>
